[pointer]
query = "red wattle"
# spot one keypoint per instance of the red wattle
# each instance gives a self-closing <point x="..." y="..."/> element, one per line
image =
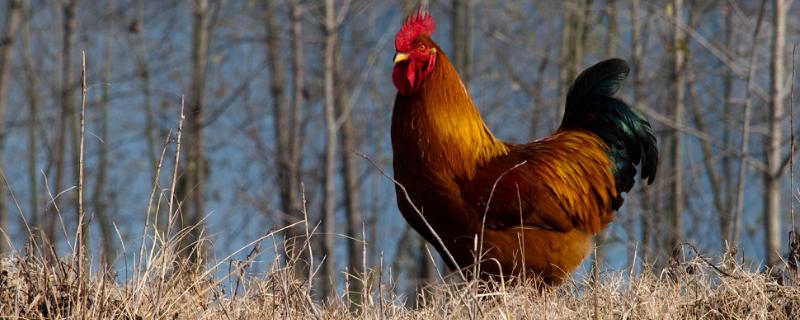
<point x="399" y="78"/>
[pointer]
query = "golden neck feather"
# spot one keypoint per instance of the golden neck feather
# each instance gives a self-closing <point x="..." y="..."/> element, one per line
<point x="451" y="130"/>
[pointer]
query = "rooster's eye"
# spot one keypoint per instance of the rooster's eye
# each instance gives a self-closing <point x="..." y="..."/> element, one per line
<point x="421" y="48"/>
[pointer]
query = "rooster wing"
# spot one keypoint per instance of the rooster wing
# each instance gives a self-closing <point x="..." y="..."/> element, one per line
<point x="575" y="177"/>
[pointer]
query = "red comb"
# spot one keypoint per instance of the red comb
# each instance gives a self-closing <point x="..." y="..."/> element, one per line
<point x="417" y="24"/>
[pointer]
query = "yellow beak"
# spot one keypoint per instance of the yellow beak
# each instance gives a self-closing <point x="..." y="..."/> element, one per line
<point x="400" y="56"/>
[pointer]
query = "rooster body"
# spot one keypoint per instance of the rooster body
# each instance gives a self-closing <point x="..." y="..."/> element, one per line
<point x="536" y="206"/>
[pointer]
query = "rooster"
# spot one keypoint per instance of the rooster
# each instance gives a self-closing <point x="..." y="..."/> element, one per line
<point x="532" y="207"/>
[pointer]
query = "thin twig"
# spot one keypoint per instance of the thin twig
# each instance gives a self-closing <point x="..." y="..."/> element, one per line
<point x="6" y="237"/>
<point x="81" y="220"/>
<point x="176" y="165"/>
<point x="792" y="142"/>
<point x="150" y="199"/>
<point x="166" y="248"/>
<point x="80" y="234"/>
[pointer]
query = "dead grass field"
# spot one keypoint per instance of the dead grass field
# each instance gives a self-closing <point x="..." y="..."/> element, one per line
<point x="162" y="287"/>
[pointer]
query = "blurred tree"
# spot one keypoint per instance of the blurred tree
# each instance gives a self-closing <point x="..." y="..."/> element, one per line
<point x="352" y="186"/>
<point x="574" y="28"/>
<point x="13" y="16"/>
<point x="637" y="82"/>
<point x="99" y="198"/>
<point x="139" y="29"/>
<point x="463" y="22"/>
<point x="677" y="88"/>
<point x="32" y="96"/>
<point x="774" y="144"/>
<point x="330" y="28"/>
<point x="66" y="118"/>
<point x="193" y="179"/>
<point x="286" y="115"/>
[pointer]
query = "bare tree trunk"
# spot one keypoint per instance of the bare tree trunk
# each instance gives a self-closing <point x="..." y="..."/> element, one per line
<point x="638" y="94"/>
<point x="280" y="102"/>
<point x="280" y="105"/>
<point x="538" y="98"/>
<point x="98" y="201"/>
<point x="329" y="202"/>
<point x="65" y="118"/>
<point x="350" y="138"/>
<point x="612" y="34"/>
<point x="724" y="206"/>
<point x="579" y="34"/>
<point x="143" y="71"/>
<point x="194" y="177"/>
<point x="772" y="178"/>
<point x="352" y="200"/>
<point x="286" y="122"/>
<point x="74" y="118"/>
<point x="677" y="82"/>
<point x="296" y="137"/>
<point x="743" y="150"/>
<point x="6" y="45"/>
<point x="151" y="131"/>
<point x="461" y="34"/>
<point x="33" y="108"/>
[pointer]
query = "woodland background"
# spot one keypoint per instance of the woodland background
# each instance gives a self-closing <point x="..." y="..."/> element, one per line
<point x="285" y="102"/>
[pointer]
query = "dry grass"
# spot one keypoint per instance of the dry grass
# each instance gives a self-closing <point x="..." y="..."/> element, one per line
<point x="164" y="286"/>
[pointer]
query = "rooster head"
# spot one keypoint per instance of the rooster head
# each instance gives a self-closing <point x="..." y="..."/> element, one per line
<point x="416" y="52"/>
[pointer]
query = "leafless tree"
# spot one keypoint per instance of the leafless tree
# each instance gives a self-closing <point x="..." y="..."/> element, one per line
<point x="66" y="118"/>
<point x="194" y="177"/>
<point x="677" y="87"/>
<point x="573" y="40"/>
<point x="352" y="189"/>
<point x="296" y="132"/>
<point x="139" y="30"/>
<point x="13" y="16"/>
<point x="98" y="196"/>
<point x="286" y="115"/>
<point x="329" y="201"/>
<point x="745" y="140"/>
<point x="774" y="146"/>
<point x="637" y="66"/>
<point x="33" y="111"/>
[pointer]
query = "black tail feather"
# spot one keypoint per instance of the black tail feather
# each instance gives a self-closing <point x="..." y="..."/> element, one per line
<point x="591" y="105"/>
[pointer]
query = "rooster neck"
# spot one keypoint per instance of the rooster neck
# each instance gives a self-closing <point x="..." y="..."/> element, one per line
<point x="442" y="125"/>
